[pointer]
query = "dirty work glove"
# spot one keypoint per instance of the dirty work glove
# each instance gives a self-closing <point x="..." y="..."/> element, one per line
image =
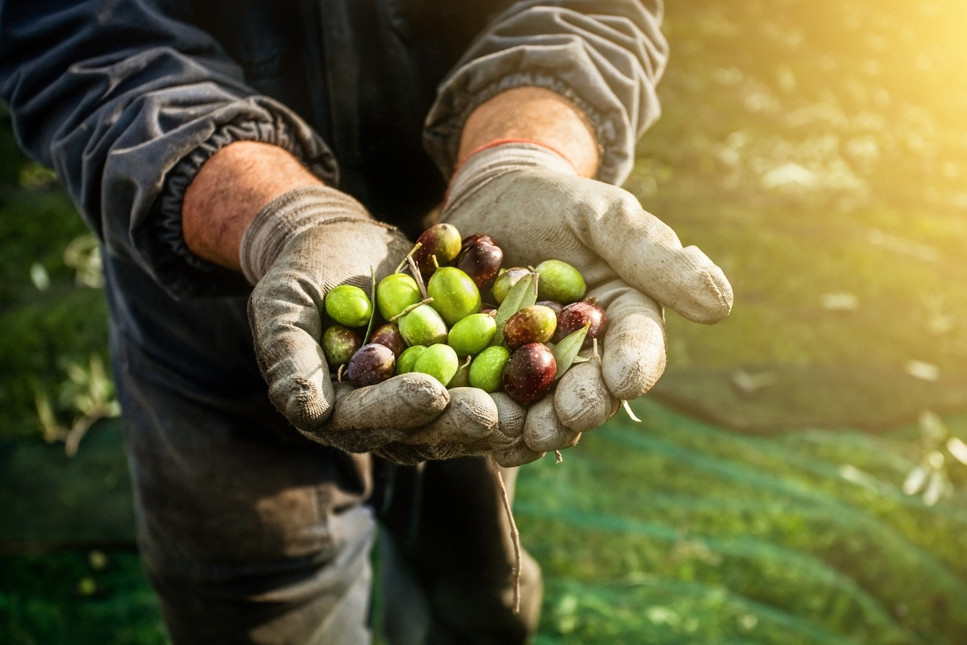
<point x="536" y="207"/>
<point x="297" y="248"/>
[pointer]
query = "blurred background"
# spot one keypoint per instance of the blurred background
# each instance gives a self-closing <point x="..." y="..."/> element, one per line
<point x="798" y="476"/>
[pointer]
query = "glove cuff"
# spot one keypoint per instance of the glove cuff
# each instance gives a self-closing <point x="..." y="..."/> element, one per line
<point x="494" y="159"/>
<point x="286" y="216"/>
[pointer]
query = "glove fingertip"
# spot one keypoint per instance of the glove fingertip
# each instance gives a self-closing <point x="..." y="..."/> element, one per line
<point x="543" y="430"/>
<point x="399" y="403"/>
<point x="306" y="403"/>
<point x="634" y="356"/>
<point x="582" y="399"/>
<point x="706" y="297"/>
<point x="517" y="454"/>
<point x="510" y="419"/>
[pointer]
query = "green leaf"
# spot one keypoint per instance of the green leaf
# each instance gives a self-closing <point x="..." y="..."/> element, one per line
<point x="567" y="350"/>
<point x="522" y="294"/>
<point x="372" y="299"/>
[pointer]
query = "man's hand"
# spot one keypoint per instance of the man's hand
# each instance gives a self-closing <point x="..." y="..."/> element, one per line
<point x="254" y="208"/>
<point x="536" y="206"/>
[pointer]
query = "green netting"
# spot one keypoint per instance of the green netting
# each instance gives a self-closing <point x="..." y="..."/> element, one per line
<point x="673" y="531"/>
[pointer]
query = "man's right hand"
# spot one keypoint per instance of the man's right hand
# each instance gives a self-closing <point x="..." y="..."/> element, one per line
<point x="297" y="248"/>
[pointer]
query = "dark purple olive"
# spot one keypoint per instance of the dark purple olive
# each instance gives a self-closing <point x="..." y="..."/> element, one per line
<point x="534" y="324"/>
<point x="578" y="314"/>
<point x="480" y="258"/>
<point x="371" y="364"/>
<point x="389" y="334"/>
<point x="529" y="373"/>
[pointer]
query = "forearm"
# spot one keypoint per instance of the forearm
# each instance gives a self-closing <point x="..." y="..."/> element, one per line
<point x="238" y="180"/>
<point x="533" y="114"/>
<point x="229" y="189"/>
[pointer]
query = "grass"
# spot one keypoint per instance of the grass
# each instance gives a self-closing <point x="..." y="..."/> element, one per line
<point x="816" y="151"/>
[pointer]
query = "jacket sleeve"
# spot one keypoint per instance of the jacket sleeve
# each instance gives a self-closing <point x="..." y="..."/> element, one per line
<point x="125" y="100"/>
<point x="606" y="56"/>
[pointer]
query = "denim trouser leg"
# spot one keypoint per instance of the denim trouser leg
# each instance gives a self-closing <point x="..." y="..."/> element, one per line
<point x="248" y="531"/>
<point x="251" y="533"/>
<point x="447" y="559"/>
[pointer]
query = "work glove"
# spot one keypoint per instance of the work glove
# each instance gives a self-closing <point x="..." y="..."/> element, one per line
<point x="536" y="207"/>
<point x="297" y="248"/>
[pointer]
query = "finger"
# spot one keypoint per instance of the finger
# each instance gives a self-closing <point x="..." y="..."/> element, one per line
<point x="543" y="431"/>
<point x="510" y="424"/>
<point x="349" y="437"/>
<point x="517" y="454"/>
<point x="285" y="325"/>
<point x="403" y="402"/>
<point x="471" y="416"/>
<point x="633" y="356"/>
<point x="582" y="400"/>
<point x="647" y="253"/>
<point x="410" y="454"/>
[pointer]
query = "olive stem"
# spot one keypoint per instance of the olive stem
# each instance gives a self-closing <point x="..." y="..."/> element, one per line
<point x="415" y="270"/>
<point x="372" y="298"/>
<point x="425" y="301"/>
<point x="514" y="534"/>
<point x="399" y="267"/>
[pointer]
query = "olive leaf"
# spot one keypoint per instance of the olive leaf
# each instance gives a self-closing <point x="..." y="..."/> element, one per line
<point x="567" y="350"/>
<point x="522" y="294"/>
<point x="372" y="299"/>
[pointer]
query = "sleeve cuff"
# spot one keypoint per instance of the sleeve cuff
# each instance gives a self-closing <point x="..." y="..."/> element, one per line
<point x="606" y="65"/>
<point x="181" y="272"/>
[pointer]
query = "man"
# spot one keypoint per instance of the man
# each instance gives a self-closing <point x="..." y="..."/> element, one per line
<point x="294" y="146"/>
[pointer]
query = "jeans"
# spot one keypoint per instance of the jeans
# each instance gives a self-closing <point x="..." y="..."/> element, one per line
<point x="250" y="533"/>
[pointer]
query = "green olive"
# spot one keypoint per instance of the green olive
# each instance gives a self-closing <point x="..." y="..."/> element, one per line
<point x="439" y="361"/>
<point x="505" y="281"/>
<point x="487" y="369"/>
<point x="454" y="293"/>
<point x="422" y="326"/>
<point x="396" y="292"/>
<point x="472" y="334"/>
<point x="349" y="305"/>
<point x="559" y="281"/>
<point x="408" y="358"/>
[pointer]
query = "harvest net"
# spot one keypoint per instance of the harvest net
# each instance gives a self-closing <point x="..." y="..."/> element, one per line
<point x="673" y="531"/>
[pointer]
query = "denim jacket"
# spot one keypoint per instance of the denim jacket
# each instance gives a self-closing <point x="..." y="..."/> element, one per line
<point x="126" y="99"/>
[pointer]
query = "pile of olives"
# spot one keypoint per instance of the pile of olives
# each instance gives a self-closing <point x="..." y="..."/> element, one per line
<point x="463" y="318"/>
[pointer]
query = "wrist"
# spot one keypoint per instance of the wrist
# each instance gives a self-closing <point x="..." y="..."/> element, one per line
<point x="288" y="215"/>
<point x="533" y="114"/>
<point x="227" y="192"/>
<point x="499" y="157"/>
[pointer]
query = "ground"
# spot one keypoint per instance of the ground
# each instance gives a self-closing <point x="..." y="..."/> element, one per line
<point x="797" y="475"/>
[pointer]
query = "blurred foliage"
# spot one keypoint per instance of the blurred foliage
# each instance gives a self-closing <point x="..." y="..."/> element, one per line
<point x="817" y="151"/>
<point x="50" y="317"/>
<point x="77" y="597"/>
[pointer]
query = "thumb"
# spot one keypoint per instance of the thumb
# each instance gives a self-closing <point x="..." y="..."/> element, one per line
<point x="647" y="254"/>
<point x="284" y="329"/>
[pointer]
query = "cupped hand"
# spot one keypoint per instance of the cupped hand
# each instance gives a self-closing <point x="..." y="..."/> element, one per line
<point x="536" y="207"/>
<point x="298" y="248"/>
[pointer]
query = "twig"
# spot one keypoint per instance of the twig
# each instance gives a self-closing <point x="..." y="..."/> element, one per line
<point x="415" y="270"/>
<point x="514" y="534"/>
<point x="400" y="266"/>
